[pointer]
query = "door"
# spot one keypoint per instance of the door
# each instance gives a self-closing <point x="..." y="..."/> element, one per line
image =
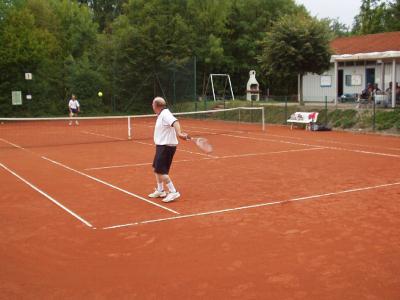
<point x="340" y="83"/>
<point x="369" y="76"/>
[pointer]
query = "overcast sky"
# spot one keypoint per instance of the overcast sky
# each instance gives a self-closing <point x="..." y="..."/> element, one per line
<point x="345" y="10"/>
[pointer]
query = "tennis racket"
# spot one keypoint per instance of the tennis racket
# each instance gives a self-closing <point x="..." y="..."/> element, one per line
<point x="203" y="144"/>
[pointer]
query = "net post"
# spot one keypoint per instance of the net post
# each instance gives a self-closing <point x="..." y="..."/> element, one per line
<point x="129" y="128"/>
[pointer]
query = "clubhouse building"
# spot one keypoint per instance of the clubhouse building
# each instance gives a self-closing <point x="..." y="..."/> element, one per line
<point x="358" y="61"/>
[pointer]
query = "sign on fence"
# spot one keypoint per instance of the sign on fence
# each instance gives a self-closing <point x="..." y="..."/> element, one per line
<point x="16" y="98"/>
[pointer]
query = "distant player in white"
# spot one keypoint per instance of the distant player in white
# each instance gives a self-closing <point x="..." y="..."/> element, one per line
<point x="74" y="109"/>
<point x="166" y="131"/>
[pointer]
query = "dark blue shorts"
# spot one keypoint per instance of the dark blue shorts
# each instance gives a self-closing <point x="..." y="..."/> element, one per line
<point x="74" y="110"/>
<point x="163" y="159"/>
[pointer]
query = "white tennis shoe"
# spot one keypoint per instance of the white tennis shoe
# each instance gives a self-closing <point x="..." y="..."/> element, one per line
<point x="157" y="194"/>
<point x="171" y="197"/>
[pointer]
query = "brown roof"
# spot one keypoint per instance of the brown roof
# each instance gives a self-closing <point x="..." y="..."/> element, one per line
<point x="379" y="42"/>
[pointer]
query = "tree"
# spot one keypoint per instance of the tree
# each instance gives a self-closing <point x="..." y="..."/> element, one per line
<point x="393" y="16"/>
<point x="54" y="40"/>
<point x="209" y="22"/>
<point x="371" y="18"/>
<point x="247" y="24"/>
<point x="104" y="11"/>
<point x="24" y="47"/>
<point x="150" y="36"/>
<point x="337" y="28"/>
<point x="295" y="46"/>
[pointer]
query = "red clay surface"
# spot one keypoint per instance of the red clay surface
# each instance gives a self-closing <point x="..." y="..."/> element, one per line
<point x="279" y="214"/>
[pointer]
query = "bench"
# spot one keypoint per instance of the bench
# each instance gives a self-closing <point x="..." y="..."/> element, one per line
<point x="307" y="118"/>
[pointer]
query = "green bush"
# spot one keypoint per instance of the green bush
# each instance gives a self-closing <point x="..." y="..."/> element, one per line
<point x="343" y="118"/>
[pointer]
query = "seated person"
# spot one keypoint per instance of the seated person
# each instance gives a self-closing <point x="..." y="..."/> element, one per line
<point x="389" y="89"/>
<point x="367" y="93"/>
<point x="376" y="89"/>
<point x="389" y="92"/>
<point x="397" y="93"/>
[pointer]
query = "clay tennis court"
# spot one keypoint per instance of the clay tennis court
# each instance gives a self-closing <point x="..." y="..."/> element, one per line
<point x="274" y="214"/>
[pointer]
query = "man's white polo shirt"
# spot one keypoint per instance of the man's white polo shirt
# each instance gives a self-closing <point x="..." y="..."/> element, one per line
<point x="73" y="104"/>
<point x="164" y="132"/>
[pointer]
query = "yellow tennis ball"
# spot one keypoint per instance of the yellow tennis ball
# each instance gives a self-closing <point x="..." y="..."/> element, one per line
<point x="100" y="94"/>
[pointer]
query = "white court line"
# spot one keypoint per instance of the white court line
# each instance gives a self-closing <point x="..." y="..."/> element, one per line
<point x="312" y="197"/>
<point x="267" y="153"/>
<point x="311" y="145"/>
<point x="14" y="145"/>
<point x="333" y="142"/>
<point x="304" y="144"/>
<point x="144" y="164"/>
<point x="110" y="185"/>
<point x="49" y="197"/>
<point x="208" y="158"/>
<point x="103" y="135"/>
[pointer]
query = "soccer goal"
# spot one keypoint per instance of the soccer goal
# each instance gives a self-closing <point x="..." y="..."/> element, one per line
<point x="219" y="86"/>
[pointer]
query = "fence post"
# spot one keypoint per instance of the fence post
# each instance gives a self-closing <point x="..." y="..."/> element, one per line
<point x="194" y="78"/>
<point x="174" y="85"/>
<point x="326" y="110"/>
<point x="374" y="113"/>
<point x="251" y="112"/>
<point x="286" y="110"/>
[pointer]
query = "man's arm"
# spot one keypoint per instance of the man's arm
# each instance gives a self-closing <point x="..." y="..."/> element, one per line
<point x="178" y="130"/>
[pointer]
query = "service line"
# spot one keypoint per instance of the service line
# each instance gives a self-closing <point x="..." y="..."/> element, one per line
<point x="208" y="158"/>
<point x="312" y="197"/>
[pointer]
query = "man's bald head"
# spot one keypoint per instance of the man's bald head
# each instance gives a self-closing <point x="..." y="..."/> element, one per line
<point x="158" y="104"/>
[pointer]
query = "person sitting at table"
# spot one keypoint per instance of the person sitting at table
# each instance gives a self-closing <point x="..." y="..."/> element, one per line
<point x="376" y="89"/>
<point x="366" y="95"/>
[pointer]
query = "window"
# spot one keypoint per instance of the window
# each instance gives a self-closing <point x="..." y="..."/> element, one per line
<point x="352" y="80"/>
<point x="348" y="80"/>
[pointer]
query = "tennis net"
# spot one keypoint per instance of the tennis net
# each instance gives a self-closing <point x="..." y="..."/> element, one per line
<point x="43" y="132"/>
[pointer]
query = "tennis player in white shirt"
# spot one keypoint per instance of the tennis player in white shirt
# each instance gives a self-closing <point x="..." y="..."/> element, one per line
<point x="74" y="109"/>
<point x="166" y="133"/>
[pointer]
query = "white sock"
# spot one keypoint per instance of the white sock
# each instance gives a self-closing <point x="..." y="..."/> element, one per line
<point x="160" y="187"/>
<point x="171" y="187"/>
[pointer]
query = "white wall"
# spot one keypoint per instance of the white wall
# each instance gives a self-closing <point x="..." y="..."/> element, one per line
<point x="312" y="90"/>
